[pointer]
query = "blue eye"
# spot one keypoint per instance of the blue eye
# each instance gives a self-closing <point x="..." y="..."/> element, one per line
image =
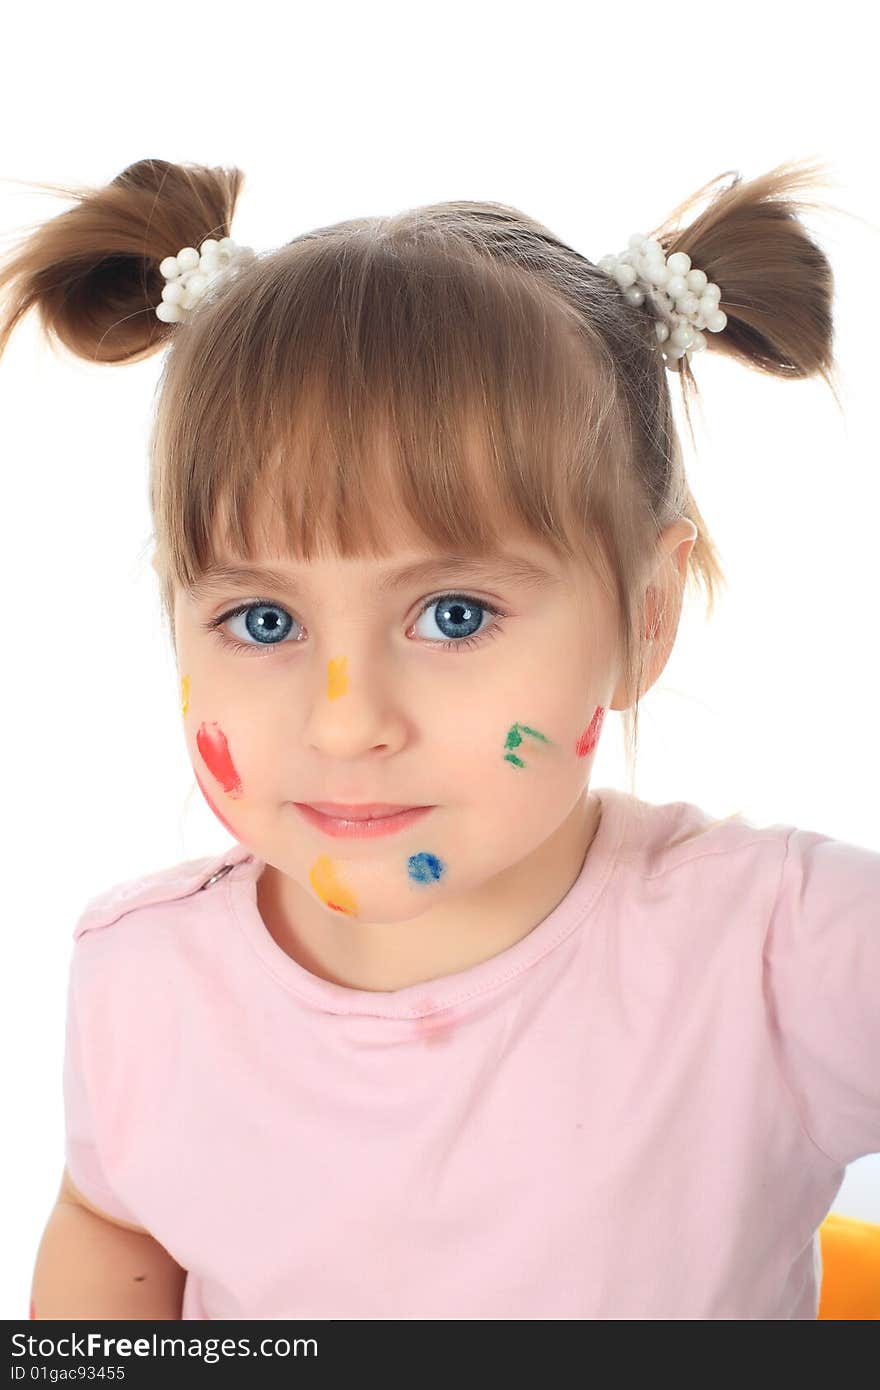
<point x="458" y="614"/>
<point x="459" y="618"/>
<point x="261" y="623"/>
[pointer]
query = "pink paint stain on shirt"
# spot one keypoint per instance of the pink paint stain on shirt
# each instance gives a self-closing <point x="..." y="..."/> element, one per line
<point x="590" y="737"/>
<point x="436" y="1027"/>
<point x="212" y="745"/>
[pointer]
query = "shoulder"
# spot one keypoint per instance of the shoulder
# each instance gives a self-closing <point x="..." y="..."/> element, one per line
<point x="658" y="838"/>
<point x="828" y="877"/>
<point x="166" y="885"/>
<point x="740" y="858"/>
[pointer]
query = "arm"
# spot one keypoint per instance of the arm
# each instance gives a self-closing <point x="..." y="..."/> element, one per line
<point x="90" y="1265"/>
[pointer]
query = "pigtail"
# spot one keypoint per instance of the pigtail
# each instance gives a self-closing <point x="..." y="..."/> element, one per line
<point x="93" y="272"/>
<point x="777" y="284"/>
<point x="777" y="289"/>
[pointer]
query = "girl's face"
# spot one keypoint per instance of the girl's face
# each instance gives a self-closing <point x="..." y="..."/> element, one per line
<point x="474" y="691"/>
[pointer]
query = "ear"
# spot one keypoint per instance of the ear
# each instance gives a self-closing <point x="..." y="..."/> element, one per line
<point x="661" y="609"/>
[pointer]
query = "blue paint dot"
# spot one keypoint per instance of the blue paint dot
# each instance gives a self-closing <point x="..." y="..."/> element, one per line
<point x="424" y="867"/>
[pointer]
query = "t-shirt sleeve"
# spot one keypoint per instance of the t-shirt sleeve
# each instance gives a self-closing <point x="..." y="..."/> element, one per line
<point x="822" y="990"/>
<point x="82" y="1146"/>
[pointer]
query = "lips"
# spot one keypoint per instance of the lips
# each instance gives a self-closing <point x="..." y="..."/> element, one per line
<point x="361" y="826"/>
<point x="366" y="810"/>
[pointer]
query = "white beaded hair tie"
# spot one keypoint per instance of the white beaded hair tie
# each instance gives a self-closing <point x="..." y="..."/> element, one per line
<point x="683" y="300"/>
<point x="189" y="274"/>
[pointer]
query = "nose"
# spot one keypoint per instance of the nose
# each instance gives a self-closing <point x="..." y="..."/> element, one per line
<point x="354" y="708"/>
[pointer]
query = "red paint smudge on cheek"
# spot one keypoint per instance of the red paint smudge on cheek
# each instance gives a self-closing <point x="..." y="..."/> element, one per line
<point x="221" y="818"/>
<point x="211" y="743"/>
<point x="590" y="737"/>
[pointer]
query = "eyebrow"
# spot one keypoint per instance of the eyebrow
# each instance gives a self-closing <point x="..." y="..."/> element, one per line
<point x="506" y="568"/>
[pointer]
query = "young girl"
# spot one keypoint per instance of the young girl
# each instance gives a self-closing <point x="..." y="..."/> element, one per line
<point x="445" y="1033"/>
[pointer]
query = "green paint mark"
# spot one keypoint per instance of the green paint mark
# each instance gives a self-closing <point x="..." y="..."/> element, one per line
<point x="515" y="738"/>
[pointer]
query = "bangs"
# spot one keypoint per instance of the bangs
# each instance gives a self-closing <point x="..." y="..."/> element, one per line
<point x="342" y="393"/>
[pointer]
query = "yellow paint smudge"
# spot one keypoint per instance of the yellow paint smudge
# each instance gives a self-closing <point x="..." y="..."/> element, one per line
<point x="337" y="677"/>
<point x="184" y="693"/>
<point x="322" y="877"/>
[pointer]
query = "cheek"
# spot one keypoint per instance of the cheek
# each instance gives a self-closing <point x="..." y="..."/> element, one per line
<point x="212" y="803"/>
<point x="523" y="743"/>
<point x="214" y="749"/>
<point x="546" y="737"/>
<point x="590" y="737"/>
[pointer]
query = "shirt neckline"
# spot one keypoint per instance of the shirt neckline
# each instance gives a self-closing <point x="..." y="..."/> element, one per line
<point x="446" y="991"/>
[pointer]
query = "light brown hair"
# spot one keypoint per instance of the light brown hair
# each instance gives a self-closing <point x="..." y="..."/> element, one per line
<point x="457" y="368"/>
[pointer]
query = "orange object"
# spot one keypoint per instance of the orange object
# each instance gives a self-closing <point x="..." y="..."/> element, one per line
<point x="850" y="1269"/>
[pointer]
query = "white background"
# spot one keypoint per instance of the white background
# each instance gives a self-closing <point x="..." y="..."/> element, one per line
<point x="596" y="122"/>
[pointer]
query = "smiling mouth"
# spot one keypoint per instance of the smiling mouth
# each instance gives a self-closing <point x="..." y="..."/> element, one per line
<point x="362" y="826"/>
<point x="365" y="810"/>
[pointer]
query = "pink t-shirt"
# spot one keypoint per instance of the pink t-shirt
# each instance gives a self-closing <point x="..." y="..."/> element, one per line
<point x="641" y="1110"/>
